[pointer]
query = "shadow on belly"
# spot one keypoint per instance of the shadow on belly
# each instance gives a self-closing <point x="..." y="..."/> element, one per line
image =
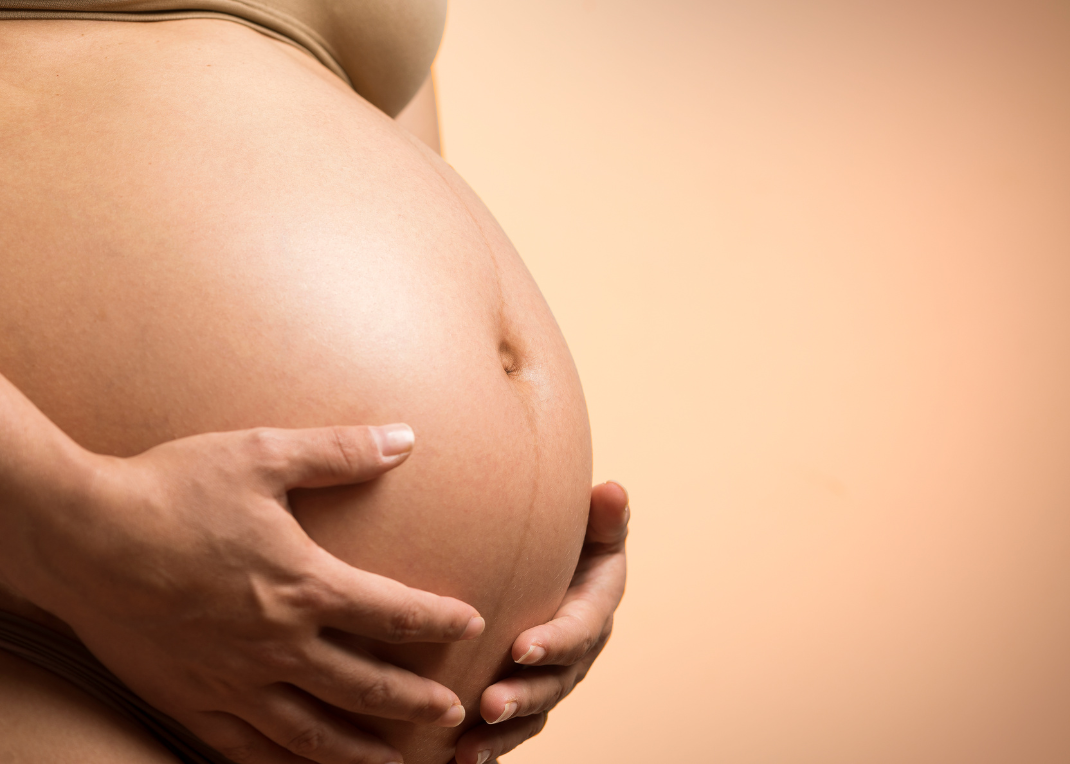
<point x="239" y="264"/>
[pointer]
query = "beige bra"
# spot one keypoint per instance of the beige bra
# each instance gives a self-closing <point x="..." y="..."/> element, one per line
<point x="382" y="48"/>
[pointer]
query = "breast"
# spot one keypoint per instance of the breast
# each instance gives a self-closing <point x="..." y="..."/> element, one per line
<point x="209" y="231"/>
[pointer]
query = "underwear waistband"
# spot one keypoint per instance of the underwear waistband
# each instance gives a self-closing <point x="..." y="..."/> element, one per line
<point x="70" y="660"/>
<point x="255" y="15"/>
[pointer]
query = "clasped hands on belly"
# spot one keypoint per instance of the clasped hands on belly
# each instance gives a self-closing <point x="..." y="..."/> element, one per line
<point x="184" y="572"/>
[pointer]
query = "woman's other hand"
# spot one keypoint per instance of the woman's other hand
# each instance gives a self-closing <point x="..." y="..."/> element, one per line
<point x="558" y="654"/>
<point x="184" y="572"/>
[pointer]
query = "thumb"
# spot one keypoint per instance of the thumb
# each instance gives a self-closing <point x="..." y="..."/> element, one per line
<point x="608" y="520"/>
<point x="326" y="456"/>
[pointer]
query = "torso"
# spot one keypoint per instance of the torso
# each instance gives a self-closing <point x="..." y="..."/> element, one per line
<point x="204" y="229"/>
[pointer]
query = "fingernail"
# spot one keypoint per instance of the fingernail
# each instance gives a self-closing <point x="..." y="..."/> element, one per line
<point x="627" y="501"/>
<point x="533" y="655"/>
<point x="482" y="757"/>
<point x="510" y="709"/>
<point x="395" y="439"/>
<point x="475" y="628"/>
<point x="453" y="717"/>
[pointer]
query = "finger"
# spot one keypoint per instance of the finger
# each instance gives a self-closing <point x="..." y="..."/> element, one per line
<point x="484" y="744"/>
<point x="326" y="456"/>
<point x="238" y="741"/>
<point x="585" y="616"/>
<point x="610" y="513"/>
<point x="533" y="691"/>
<point x="371" y="605"/>
<point x="301" y="726"/>
<point x="365" y="685"/>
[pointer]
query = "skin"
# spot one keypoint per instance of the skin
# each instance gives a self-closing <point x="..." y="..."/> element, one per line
<point x="180" y="227"/>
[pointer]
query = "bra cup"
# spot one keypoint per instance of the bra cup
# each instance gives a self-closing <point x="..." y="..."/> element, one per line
<point x="383" y="47"/>
<point x="386" y="47"/>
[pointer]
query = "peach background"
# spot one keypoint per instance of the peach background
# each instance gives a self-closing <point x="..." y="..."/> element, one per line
<point x="813" y="262"/>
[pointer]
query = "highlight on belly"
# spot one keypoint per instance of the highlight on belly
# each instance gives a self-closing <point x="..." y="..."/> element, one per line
<point x="256" y="246"/>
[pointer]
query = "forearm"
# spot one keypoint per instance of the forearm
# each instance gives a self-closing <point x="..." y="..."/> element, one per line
<point x="40" y="469"/>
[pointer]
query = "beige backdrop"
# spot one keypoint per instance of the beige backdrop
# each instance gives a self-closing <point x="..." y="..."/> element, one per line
<point x="813" y="262"/>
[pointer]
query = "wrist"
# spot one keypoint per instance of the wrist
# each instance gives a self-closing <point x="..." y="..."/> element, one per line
<point x="44" y="491"/>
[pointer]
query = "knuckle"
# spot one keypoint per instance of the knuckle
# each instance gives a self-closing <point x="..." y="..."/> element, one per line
<point x="407" y="622"/>
<point x="585" y="646"/>
<point x="267" y="448"/>
<point x="375" y="695"/>
<point x="607" y="630"/>
<point x="308" y="741"/>
<point x="309" y="595"/>
<point x="427" y="710"/>
<point x="545" y="699"/>
<point x="226" y="734"/>
<point x="586" y="641"/>
<point x="240" y="752"/>
<point x="275" y="659"/>
<point x="347" y="451"/>
<point x="564" y="685"/>
<point x="556" y="695"/>
<point x="590" y="639"/>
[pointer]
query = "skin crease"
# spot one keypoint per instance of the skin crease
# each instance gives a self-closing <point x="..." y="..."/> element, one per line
<point x="221" y="235"/>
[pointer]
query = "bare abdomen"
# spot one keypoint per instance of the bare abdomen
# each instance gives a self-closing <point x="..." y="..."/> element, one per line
<point x="208" y="233"/>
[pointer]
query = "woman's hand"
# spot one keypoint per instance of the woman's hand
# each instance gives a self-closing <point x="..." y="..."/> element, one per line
<point x="183" y="571"/>
<point x="557" y="655"/>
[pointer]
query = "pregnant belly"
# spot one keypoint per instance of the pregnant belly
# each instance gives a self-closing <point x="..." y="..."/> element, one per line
<point x="203" y="230"/>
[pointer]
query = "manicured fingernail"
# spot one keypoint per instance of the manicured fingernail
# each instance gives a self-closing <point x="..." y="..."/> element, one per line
<point x="482" y="757"/>
<point x="453" y="717"/>
<point x="533" y="655"/>
<point x="395" y="439"/>
<point x="510" y="709"/>
<point x="475" y="628"/>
